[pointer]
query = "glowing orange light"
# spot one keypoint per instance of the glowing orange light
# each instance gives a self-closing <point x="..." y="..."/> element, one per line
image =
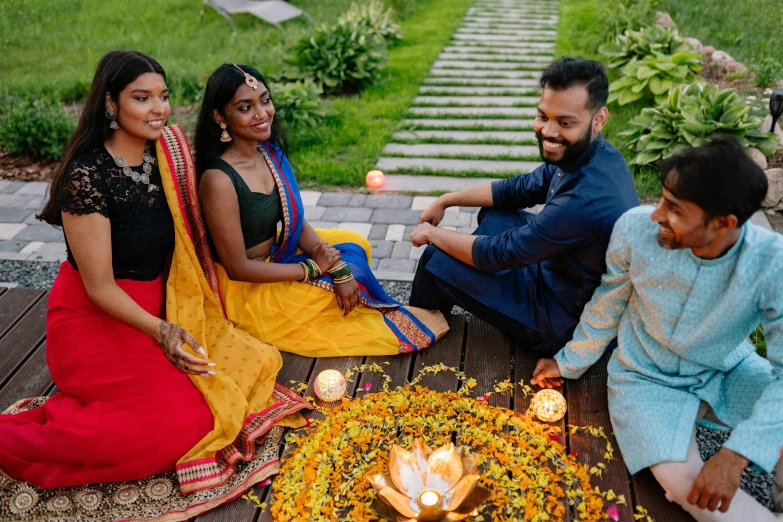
<point x="375" y="179"/>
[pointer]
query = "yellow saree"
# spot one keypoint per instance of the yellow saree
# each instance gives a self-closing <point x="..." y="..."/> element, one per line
<point x="243" y="395"/>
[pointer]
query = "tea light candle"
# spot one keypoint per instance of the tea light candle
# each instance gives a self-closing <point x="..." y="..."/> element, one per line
<point x="375" y="179"/>
<point x="329" y="385"/>
<point x="548" y="405"/>
<point x="429" y="498"/>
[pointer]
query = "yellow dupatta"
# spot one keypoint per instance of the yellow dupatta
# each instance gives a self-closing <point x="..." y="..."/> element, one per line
<point x="244" y="398"/>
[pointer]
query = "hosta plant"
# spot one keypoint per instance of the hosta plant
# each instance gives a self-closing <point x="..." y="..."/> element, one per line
<point x="299" y="104"/>
<point x="341" y="59"/>
<point x="377" y="17"/>
<point x="692" y="115"/>
<point x="620" y="16"/>
<point x="651" y="78"/>
<point x="636" y="45"/>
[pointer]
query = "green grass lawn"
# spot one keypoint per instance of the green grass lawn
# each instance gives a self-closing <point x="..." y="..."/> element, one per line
<point x="747" y="29"/>
<point x="53" y="47"/>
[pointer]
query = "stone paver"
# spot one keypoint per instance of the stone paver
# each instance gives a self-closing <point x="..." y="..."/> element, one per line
<point x="485" y="101"/>
<point x="487" y="66"/>
<point x="310" y="198"/>
<point x="451" y="81"/>
<point x="391" y="216"/>
<point x="402" y="250"/>
<point x="508" y="112"/>
<point x="457" y="165"/>
<point x="314" y="213"/>
<point x="335" y="199"/>
<point x="458" y="136"/>
<point x="361" y="228"/>
<point x="468" y="73"/>
<point x="396" y="232"/>
<point x="454" y="90"/>
<point x="469" y="123"/>
<point x="354" y="214"/>
<point x="456" y="149"/>
<point x="46" y="233"/>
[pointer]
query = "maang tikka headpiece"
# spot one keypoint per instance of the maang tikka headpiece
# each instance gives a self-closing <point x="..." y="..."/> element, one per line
<point x="250" y="81"/>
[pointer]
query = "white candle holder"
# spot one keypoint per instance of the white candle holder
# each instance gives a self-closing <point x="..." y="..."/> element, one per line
<point x="329" y="385"/>
<point x="548" y="405"/>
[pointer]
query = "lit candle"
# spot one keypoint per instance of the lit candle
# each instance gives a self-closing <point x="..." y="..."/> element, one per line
<point x="548" y="405"/>
<point x="429" y="498"/>
<point x="330" y="385"/>
<point x="375" y="179"/>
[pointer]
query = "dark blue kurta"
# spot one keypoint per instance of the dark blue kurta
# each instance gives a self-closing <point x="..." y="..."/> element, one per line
<point x="541" y="270"/>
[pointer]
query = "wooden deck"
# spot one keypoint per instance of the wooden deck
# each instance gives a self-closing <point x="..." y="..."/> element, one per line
<point x="479" y="349"/>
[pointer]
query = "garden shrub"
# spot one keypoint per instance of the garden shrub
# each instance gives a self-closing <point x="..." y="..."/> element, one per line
<point x="652" y="77"/>
<point x="619" y="16"/>
<point x="377" y="17"/>
<point x="341" y="59"/>
<point x="692" y="115"/>
<point x="766" y="71"/>
<point x="636" y="45"/>
<point x="38" y="128"/>
<point x="299" y="104"/>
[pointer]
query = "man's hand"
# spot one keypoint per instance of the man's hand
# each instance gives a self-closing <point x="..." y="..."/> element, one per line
<point x="547" y="374"/>
<point x="421" y="234"/>
<point x="718" y="481"/>
<point x="434" y="213"/>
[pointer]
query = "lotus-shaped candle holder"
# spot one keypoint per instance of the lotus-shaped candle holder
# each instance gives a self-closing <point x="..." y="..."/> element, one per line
<point x="426" y="485"/>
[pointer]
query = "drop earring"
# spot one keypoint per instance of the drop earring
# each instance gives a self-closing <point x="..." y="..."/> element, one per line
<point x="111" y="115"/>
<point x="225" y="137"/>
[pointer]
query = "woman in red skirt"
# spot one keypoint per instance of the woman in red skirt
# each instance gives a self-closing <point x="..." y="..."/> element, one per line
<point x="126" y="407"/>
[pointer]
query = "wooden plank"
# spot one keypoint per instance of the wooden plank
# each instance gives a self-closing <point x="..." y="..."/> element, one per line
<point x="488" y="359"/>
<point x="341" y="364"/>
<point x="31" y="380"/>
<point x="587" y="406"/>
<point x="399" y="368"/>
<point x="297" y="368"/>
<point x="447" y="351"/>
<point x="650" y="495"/>
<point x="20" y="341"/>
<point x="14" y="303"/>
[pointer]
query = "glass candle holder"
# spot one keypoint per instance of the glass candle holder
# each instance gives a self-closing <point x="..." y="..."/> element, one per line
<point x="375" y="179"/>
<point x="329" y="385"/>
<point x="548" y="405"/>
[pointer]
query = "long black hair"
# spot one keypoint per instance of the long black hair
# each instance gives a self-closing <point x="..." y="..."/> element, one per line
<point x="115" y="71"/>
<point x="221" y="87"/>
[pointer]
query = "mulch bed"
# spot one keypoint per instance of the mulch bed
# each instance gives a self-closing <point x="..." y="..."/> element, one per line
<point x="23" y="168"/>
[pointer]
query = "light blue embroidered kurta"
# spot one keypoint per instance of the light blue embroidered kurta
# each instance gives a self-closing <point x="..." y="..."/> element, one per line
<point x="681" y="324"/>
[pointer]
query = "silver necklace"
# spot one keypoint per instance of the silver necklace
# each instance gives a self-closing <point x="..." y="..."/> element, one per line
<point x="146" y="168"/>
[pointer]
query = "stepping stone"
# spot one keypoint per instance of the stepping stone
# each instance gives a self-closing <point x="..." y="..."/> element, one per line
<point x="476" y="91"/>
<point x="495" y="38"/>
<point x="548" y="46"/>
<point x="447" y="82"/>
<point x="501" y="51"/>
<point x="460" y="149"/>
<point x="485" y="73"/>
<point x="471" y="124"/>
<point x="466" y="135"/>
<point x="510" y="168"/>
<point x="465" y="64"/>
<point x="409" y="183"/>
<point x="497" y="58"/>
<point x="492" y="20"/>
<point x="522" y="33"/>
<point x="474" y="111"/>
<point x="483" y="101"/>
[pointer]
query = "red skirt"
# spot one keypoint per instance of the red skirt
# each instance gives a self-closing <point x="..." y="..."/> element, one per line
<point x="123" y="412"/>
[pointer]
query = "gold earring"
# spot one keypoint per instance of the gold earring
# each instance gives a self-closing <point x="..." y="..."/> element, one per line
<point x="225" y="137"/>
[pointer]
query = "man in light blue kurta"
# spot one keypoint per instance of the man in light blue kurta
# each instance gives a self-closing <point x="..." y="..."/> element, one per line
<point x="682" y="322"/>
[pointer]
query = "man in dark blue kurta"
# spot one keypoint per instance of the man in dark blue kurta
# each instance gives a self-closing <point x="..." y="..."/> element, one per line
<point x="532" y="274"/>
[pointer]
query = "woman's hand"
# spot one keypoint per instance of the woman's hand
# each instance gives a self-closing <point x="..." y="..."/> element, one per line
<point x="348" y="295"/>
<point x="171" y="338"/>
<point x="324" y="255"/>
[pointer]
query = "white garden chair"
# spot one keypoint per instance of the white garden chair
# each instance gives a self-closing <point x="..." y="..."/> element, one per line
<point x="271" y="11"/>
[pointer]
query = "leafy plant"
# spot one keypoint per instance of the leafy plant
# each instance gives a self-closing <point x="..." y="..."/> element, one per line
<point x="635" y="45"/>
<point x="652" y="77"/>
<point x="692" y="115"/>
<point x="341" y="59"/>
<point x="299" y="104"/>
<point x="38" y="128"/>
<point x="619" y="16"/>
<point x="766" y="71"/>
<point x="376" y="16"/>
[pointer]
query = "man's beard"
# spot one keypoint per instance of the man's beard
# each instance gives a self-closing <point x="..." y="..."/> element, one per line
<point x="572" y="150"/>
<point x="669" y="244"/>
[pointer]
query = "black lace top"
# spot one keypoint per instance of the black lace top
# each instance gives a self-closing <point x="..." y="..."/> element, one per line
<point x="142" y="229"/>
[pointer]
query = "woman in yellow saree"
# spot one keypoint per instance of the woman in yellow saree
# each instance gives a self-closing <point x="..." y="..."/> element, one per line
<point x="247" y="186"/>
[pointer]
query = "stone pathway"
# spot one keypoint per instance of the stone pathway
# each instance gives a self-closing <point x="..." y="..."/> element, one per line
<point x="472" y="120"/>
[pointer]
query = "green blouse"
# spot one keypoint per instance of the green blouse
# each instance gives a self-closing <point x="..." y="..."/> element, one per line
<point x="259" y="213"/>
